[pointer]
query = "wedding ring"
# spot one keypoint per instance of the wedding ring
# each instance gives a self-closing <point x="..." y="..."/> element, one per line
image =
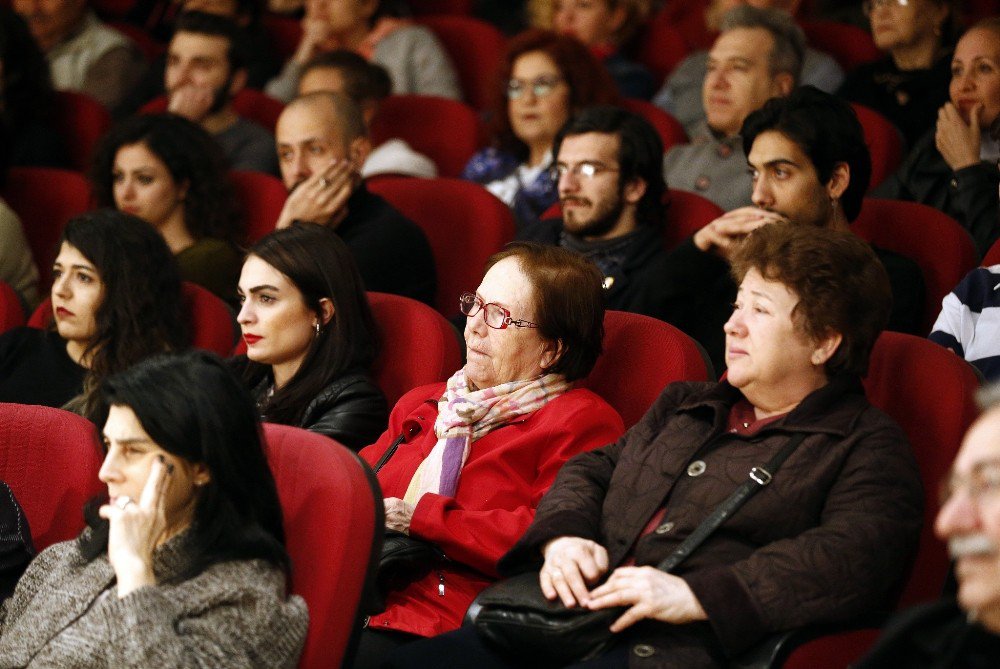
<point x="123" y="502"/>
<point x="324" y="182"/>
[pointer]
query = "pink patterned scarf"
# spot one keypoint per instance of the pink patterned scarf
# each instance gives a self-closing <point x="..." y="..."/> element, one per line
<point x="466" y="415"/>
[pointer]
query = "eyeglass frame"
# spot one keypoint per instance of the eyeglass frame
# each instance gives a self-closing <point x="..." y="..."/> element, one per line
<point x="976" y="484"/>
<point x="868" y="5"/>
<point x="478" y="305"/>
<point x="541" y="86"/>
<point x="581" y="169"/>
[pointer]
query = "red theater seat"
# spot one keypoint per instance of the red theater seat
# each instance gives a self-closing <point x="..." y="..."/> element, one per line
<point x="11" y="311"/>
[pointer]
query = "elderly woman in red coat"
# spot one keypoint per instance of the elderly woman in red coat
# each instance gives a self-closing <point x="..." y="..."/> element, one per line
<point x="828" y="539"/>
<point x="479" y="451"/>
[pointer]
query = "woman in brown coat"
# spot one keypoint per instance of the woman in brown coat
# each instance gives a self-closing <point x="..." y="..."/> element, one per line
<point x="829" y="539"/>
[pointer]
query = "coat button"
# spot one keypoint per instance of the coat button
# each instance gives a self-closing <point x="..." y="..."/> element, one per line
<point x="702" y="182"/>
<point x="644" y="650"/>
<point x="696" y="468"/>
<point x="664" y="528"/>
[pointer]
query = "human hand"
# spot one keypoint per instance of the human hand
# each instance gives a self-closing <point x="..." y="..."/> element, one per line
<point x="958" y="142"/>
<point x="723" y="234"/>
<point x="398" y="515"/>
<point x="570" y="564"/>
<point x="192" y="102"/>
<point x="649" y="593"/>
<point x="322" y="197"/>
<point x="136" y="528"/>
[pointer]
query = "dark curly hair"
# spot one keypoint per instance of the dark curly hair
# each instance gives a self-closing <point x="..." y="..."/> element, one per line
<point x="589" y="83"/>
<point x="191" y="156"/>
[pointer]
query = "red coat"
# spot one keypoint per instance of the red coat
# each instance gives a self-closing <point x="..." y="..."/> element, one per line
<point x="504" y="478"/>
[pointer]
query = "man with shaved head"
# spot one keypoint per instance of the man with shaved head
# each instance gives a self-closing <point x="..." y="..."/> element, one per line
<point x="322" y="144"/>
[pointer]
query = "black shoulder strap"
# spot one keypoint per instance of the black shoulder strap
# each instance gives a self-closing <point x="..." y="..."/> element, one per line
<point x="758" y="478"/>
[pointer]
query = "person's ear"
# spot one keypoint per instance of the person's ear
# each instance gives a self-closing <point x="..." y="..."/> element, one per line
<point x="782" y="84"/>
<point x="238" y="82"/>
<point x="326" y="310"/>
<point x="840" y="179"/>
<point x="552" y="353"/>
<point x="182" y="190"/>
<point x="825" y="348"/>
<point x="200" y="475"/>
<point x="634" y="190"/>
<point x="358" y="151"/>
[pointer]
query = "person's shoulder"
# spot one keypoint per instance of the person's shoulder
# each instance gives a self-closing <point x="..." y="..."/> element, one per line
<point x="26" y="338"/>
<point x="489" y="164"/>
<point x="209" y="247"/>
<point x="420" y="395"/>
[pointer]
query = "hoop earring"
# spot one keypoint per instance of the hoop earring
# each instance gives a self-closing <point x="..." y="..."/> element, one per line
<point x="316" y="325"/>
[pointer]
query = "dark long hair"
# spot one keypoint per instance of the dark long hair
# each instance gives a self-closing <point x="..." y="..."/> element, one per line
<point x="191" y="156"/>
<point x="141" y="311"/>
<point x="193" y="407"/>
<point x="320" y="265"/>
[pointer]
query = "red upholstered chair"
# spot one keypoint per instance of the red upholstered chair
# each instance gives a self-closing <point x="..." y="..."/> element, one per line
<point x="930" y="392"/>
<point x="284" y="33"/>
<point x="661" y="44"/>
<point x="444" y="130"/>
<point x="333" y="518"/>
<point x="885" y="143"/>
<point x="261" y="197"/>
<point x="151" y="49"/>
<point x="11" y="311"/>
<point x="687" y="213"/>
<point x="476" y="49"/>
<point x="50" y="459"/>
<point x="464" y="224"/>
<point x="209" y="318"/>
<point x="849" y="45"/>
<point x="992" y="256"/>
<point x="641" y="356"/>
<point x="670" y="129"/>
<point x="81" y="122"/>
<point x="456" y="7"/>
<point x="418" y="345"/>
<point x="937" y="243"/>
<point x="249" y="103"/>
<point x="45" y="199"/>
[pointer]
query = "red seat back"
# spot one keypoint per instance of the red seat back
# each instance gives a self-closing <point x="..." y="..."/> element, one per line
<point x="249" y="103"/>
<point x="939" y="245"/>
<point x="404" y="365"/>
<point x="284" y="34"/>
<point x="641" y="356"/>
<point x="687" y="213"/>
<point x="11" y="310"/>
<point x="45" y="199"/>
<point x="992" y="256"/>
<point x="444" y="130"/>
<point x="849" y="45"/>
<point x="81" y="122"/>
<point x="50" y="459"/>
<point x="151" y="49"/>
<point x="333" y="518"/>
<point x="261" y="198"/>
<point x="457" y="7"/>
<point x="661" y="45"/>
<point x="885" y="143"/>
<point x="476" y="49"/>
<point x="209" y="319"/>
<point x="464" y="223"/>
<point x="669" y="128"/>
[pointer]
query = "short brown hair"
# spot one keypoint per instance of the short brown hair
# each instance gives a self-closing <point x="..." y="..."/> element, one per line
<point x="841" y="285"/>
<point x="569" y="303"/>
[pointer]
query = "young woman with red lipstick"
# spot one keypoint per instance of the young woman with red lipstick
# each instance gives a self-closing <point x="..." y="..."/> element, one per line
<point x="310" y="336"/>
<point x="116" y="299"/>
<point x="170" y="173"/>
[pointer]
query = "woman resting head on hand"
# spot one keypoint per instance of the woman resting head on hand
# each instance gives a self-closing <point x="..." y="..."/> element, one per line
<point x="311" y="339"/>
<point x="185" y="564"/>
<point x="116" y="299"/>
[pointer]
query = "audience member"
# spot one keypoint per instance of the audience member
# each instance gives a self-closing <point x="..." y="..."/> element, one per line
<point x="910" y="83"/>
<point x="169" y="172"/>
<point x="379" y="31"/>
<point x="969" y="322"/>
<point x="605" y="26"/>
<point x="206" y="68"/>
<point x="681" y="94"/>
<point x="963" y="632"/>
<point x="185" y="561"/>
<point x="809" y="165"/>
<point x="757" y="56"/>
<point x="322" y="144"/>
<point x="503" y="425"/>
<point x="16" y="546"/>
<point x="116" y="299"/>
<point x="27" y="102"/>
<point x="310" y="336"/>
<point x="954" y="168"/>
<point x="84" y="53"/>
<point x="17" y="265"/>
<point x="368" y="85"/>
<point x="544" y="79"/>
<point x="830" y="538"/>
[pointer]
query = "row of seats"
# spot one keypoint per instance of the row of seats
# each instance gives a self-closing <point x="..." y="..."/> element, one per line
<point x="333" y="514"/>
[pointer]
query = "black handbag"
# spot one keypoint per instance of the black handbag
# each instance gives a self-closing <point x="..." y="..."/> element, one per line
<point x="514" y="616"/>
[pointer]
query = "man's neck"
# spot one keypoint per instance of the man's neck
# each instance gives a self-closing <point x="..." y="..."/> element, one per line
<point x="220" y="121"/>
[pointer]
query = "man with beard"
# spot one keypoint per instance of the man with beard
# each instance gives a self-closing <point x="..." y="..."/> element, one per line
<point x="322" y="144"/>
<point x="963" y="633"/>
<point x="205" y="70"/>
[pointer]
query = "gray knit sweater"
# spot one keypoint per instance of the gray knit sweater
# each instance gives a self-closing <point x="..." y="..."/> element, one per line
<point x="66" y="614"/>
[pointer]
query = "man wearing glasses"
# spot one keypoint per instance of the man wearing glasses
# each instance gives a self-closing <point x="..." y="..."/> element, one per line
<point x="966" y="632"/>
